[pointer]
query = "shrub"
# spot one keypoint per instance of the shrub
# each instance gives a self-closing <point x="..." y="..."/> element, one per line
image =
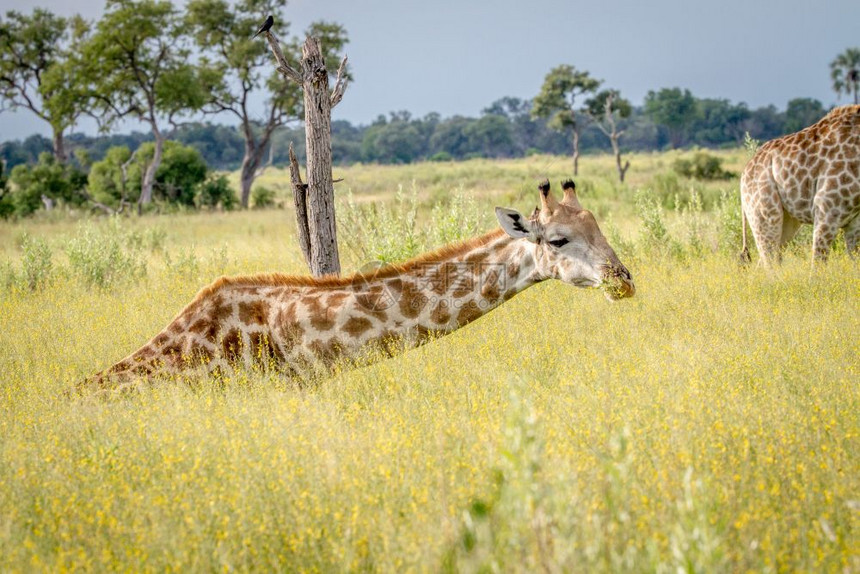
<point x="655" y="235"/>
<point x="441" y="156"/>
<point x="623" y="248"/>
<point x="216" y="191"/>
<point x="729" y="224"/>
<point x="262" y="197"/>
<point x="377" y="232"/>
<point x="102" y="257"/>
<point x="150" y="238"/>
<point x="8" y="277"/>
<point x="36" y="264"/>
<point x="691" y="215"/>
<point x="666" y="188"/>
<point x="186" y="264"/>
<point x="47" y="179"/>
<point x="702" y="166"/>
<point x="751" y="144"/>
<point x="457" y="219"/>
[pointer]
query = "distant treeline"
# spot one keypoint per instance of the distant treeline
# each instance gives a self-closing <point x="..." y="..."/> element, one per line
<point x="506" y="128"/>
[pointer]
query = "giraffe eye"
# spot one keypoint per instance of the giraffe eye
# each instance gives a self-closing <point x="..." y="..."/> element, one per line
<point x="559" y="242"/>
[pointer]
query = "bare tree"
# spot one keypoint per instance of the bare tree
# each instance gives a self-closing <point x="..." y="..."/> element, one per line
<point x="605" y="109"/>
<point x="315" y="200"/>
<point x="238" y="69"/>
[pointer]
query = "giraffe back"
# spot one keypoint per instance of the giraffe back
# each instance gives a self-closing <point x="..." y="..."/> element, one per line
<point x="798" y="165"/>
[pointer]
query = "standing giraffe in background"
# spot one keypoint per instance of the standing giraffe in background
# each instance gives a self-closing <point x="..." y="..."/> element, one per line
<point x="812" y="176"/>
<point x="298" y="321"/>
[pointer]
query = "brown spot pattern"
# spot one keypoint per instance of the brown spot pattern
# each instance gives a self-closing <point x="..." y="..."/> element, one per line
<point x="412" y="301"/>
<point x="356" y="326"/>
<point x="335" y="299"/>
<point x="319" y="316"/>
<point x="475" y="259"/>
<point x="231" y="344"/>
<point x="468" y="313"/>
<point x="441" y="315"/>
<point x="220" y="310"/>
<point x="254" y="312"/>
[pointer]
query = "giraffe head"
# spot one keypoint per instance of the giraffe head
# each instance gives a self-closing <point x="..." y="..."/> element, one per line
<point x="568" y="244"/>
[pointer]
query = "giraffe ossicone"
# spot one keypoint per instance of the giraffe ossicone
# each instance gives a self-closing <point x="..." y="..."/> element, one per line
<point x="812" y="176"/>
<point x="298" y="322"/>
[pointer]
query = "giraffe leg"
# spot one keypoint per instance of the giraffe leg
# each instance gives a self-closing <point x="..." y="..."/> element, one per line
<point x="827" y="218"/>
<point x="823" y="235"/>
<point x="852" y="237"/>
<point x="766" y="223"/>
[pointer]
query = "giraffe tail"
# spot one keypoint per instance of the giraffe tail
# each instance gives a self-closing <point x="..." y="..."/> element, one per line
<point x="744" y="256"/>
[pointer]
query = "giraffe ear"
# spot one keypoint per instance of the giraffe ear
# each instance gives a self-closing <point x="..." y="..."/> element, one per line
<point x="515" y="224"/>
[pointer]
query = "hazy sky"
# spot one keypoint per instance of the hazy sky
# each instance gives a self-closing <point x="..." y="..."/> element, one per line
<point x="458" y="56"/>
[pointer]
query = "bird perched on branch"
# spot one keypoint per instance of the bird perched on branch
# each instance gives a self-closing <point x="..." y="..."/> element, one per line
<point x="266" y="26"/>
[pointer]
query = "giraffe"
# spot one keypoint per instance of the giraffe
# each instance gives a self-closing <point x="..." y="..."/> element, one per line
<point x="298" y="322"/>
<point x="812" y="176"/>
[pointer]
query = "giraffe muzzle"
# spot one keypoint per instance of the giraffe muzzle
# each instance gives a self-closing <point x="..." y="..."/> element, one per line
<point x="617" y="283"/>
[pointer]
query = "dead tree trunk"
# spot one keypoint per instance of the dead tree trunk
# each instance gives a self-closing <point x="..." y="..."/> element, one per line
<point x="609" y="127"/>
<point x="622" y="170"/>
<point x="318" y="195"/>
<point x="300" y="200"/>
<point x="575" y="150"/>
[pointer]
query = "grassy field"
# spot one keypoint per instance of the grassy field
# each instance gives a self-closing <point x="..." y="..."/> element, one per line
<point x="709" y="424"/>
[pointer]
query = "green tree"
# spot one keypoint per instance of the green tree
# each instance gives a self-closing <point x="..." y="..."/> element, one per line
<point x="606" y="109"/>
<point x="38" y="53"/>
<point x="557" y="101"/>
<point x="139" y="65"/>
<point x="802" y="112"/>
<point x="399" y="140"/>
<point x="45" y="183"/>
<point x="450" y="137"/>
<point x="180" y="174"/>
<point x="109" y="180"/>
<point x="718" y="122"/>
<point x="118" y="178"/>
<point x="845" y="73"/>
<point x="240" y="67"/>
<point x="491" y="136"/>
<point x="673" y="108"/>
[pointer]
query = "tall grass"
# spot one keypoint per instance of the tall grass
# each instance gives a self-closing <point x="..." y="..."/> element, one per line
<point x="708" y="424"/>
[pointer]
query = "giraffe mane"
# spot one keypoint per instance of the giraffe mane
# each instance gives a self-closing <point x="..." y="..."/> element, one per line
<point x="358" y="278"/>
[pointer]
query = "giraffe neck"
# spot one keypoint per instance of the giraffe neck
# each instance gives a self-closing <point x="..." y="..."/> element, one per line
<point x="302" y="320"/>
<point x="442" y="294"/>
